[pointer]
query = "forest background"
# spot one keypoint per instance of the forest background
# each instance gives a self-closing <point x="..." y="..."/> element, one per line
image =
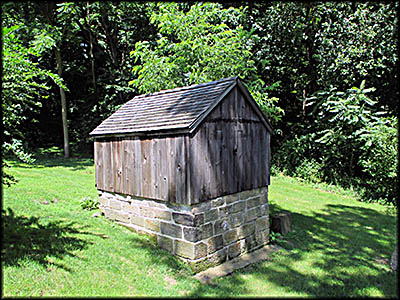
<point x="325" y="73"/>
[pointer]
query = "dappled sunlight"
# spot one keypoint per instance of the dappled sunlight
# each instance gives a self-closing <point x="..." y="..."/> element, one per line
<point x="342" y="252"/>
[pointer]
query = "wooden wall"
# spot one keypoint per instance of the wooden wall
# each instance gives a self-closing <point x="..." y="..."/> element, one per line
<point x="152" y="168"/>
<point x="230" y="152"/>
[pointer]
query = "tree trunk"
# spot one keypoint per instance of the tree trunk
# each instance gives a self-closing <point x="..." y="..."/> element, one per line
<point x="63" y="105"/>
<point x="91" y="51"/>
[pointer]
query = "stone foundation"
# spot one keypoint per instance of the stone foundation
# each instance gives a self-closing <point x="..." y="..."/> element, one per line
<point x="204" y="235"/>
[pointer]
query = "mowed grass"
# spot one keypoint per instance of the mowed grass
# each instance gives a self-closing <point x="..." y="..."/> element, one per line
<point x="340" y="247"/>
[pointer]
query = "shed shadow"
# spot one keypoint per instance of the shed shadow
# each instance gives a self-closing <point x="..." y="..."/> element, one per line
<point x="29" y="238"/>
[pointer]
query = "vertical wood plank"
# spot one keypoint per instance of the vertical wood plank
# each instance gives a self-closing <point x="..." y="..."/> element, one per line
<point x="96" y="162"/>
<point x="239" y="156"/>
<point x="146" y="167"/>
<point x="211" y="151"/>
<point x="103" y="166"/>
<point x="255" y="149"/>
<point x="218" y="159"/>
<point x="205" y="155"/>
<point x="248" y="157"/>
<point x="117" y="160"/>
<point x="180" y="162"/>
<point x="195" y="178"/>
<point x="122" y="159"/>
<point x="163" y="169"/>
<point x="114" y="165"/>
<point x="230" y="176"/>
<point x="186" y="170"/>
<point x="224" y="159"/>
<point x="260" y="154"/>
<point x="156" y="168"/>
<point x="260" y="179"/>
<point x="138" y="168"/>
<point x="127" y="165"/>
<point x="109" y="172"/>
<point x="172" y="162"/>
<point x="265" y="158"/>
<point x="231" y="103"/>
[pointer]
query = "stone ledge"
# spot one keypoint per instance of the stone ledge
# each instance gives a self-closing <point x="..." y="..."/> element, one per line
<point x="240" y="262"/>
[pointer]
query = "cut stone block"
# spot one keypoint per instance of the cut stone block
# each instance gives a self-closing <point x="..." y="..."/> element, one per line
<point x="215" y="243"/>
<point x="171" y="230"/>
<point x="211" y="215"/>
<point x="190" y="250"/>
<point x="203" y="234"/>
<point x="234" y="250"/>
<point x="188" y="219"/>
<point x="165" y="243"/>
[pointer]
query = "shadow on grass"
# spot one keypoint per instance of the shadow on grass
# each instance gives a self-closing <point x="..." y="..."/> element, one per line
<point x="25" y="237"/>
<point x="46" y="161"/>
<point x="352" y="244"/>
<point x="156" y="256"/>
<point x="349" y="244"/>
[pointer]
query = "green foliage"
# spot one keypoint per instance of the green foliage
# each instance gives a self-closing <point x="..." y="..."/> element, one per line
<point x="379" y="158"/>
<point x="204" y="43"/>
<point x="23" y="79"/>
<point x="351" y="140"/>
<point x="285" y="52"/>
<point x="310" y="170"/>
<point x="89" y="203"/>
<point x="275" y="237"/>
<point x="23" y="83"/>
<point x="322" y="49"/>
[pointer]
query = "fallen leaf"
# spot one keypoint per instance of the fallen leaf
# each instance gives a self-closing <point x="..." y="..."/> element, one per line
<point x="55" y="200"/>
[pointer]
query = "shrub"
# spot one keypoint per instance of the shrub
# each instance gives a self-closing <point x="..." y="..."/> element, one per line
<point x="89" y="203"/>
<point x="379" y="159"/>
<point x="309" y="170"/>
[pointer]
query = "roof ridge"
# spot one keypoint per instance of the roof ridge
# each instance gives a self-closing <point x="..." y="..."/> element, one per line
<point x="179" y="108"/>
<point x="186" y="87"/>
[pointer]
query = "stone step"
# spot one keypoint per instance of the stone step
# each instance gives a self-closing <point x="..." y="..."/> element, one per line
<point x="240" y="262"/>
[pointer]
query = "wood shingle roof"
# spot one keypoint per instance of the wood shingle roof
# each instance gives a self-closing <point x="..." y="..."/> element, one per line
<point x="179" y="110"/>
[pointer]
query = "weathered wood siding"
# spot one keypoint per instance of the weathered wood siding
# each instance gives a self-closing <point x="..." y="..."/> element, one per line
<point x="151" y="168"/>
<point x="229" y="153"/>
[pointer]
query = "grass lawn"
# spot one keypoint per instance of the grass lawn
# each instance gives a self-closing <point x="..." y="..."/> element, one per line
<point x="51" y="247"/>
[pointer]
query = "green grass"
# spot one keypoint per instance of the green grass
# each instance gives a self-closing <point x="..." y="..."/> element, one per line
<point x="337" y="249"/>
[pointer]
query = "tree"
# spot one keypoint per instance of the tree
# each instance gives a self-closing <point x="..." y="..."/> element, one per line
<point x="202" y="43"/>
<point x="23" y="82"/>
<point x="50" y="14"/>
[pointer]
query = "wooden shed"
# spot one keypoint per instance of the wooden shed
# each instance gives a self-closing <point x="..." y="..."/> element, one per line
<point x="189" y="166"/>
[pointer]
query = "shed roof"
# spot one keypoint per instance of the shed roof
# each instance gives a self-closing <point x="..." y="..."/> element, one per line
<point x="176" y="110"/>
